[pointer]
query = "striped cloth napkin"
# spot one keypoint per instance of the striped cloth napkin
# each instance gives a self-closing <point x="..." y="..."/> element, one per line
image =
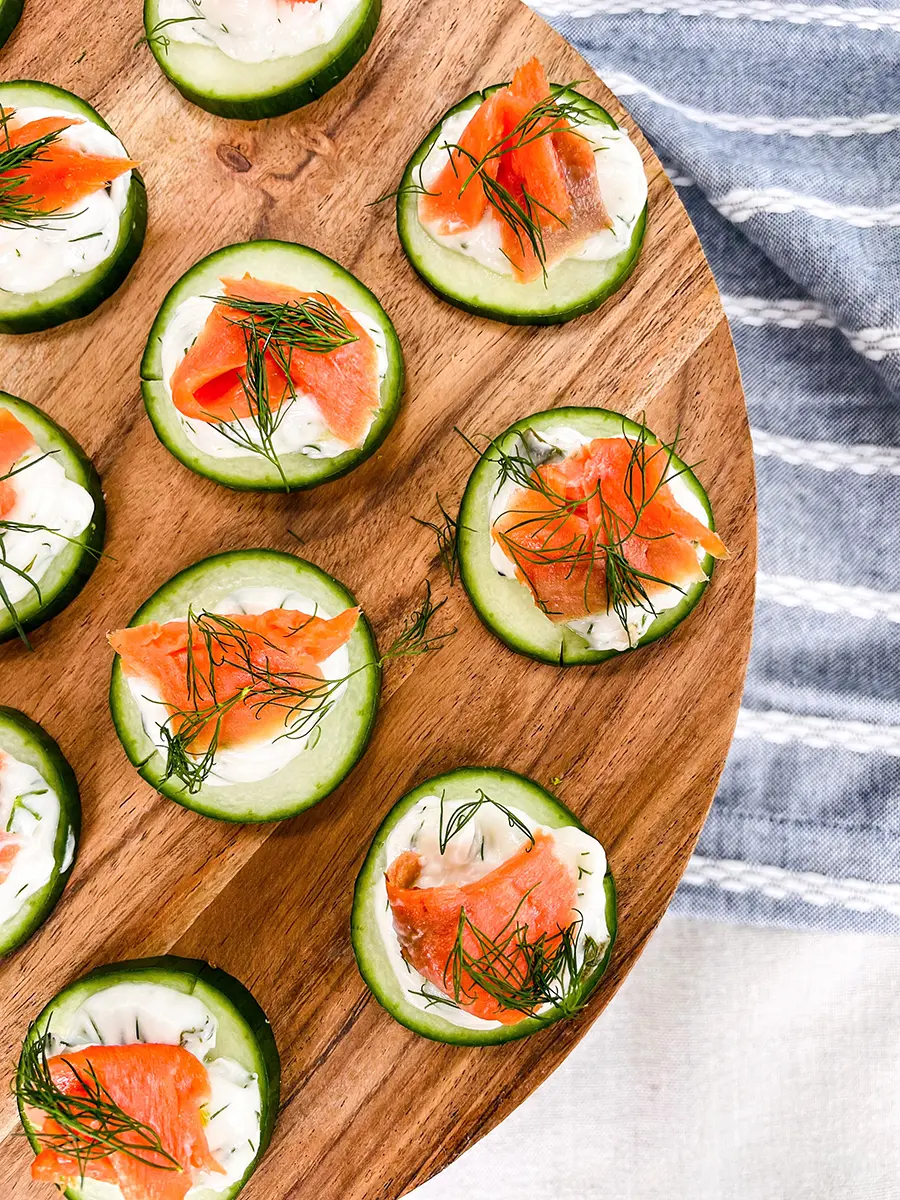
<point x="779" y="123"/>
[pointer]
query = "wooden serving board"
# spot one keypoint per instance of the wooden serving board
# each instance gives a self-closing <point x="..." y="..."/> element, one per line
<point x="369" y="1109"/>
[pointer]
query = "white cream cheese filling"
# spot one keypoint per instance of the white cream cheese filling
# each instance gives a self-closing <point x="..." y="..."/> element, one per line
<point x="47" y="498"/>
<point x="30" y="809"/>
<point x="76" y="240"/>
<point x="254" y="31"/>
<point x="605" y="630"/>
<point x="128" y="1013"/>
<point x="620" y="175"/>
<point x="483" y="843"/>
<point x="301" y="426"/>
<point x="260" y="759"/>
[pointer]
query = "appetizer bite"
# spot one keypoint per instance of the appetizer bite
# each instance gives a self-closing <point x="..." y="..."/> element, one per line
<point x="246" y="688"/>
<point x="73" y="210"/>
<point x="526" y="203"/>
<point x="484" y="911"/>
<point x="262" y="59"/>
<point x="270" y="367"/>
<point x="149" y="1080"/>
<point x="581" y="536"/>
<point x="10" y="12"/>
<point x="40" y="819"/>
<point x="52" y="518"/>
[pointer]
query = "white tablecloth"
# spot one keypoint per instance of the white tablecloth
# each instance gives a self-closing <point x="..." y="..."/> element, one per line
<point x="735" y="1064"/>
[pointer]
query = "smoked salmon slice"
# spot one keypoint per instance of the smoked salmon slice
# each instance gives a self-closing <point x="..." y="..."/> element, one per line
<point x="59" y="176"/>
<point x="609" y="495"/>
<point x="257" y="661"/>
<point x="533" y="890"/>
<point x="209" y="382"/>
<point x="163" y="1088"/>
<point x="538" y="159"/>
<point x="10" y="845"/>
<point x="447" y="201"/>
<point x="15" y="441"/>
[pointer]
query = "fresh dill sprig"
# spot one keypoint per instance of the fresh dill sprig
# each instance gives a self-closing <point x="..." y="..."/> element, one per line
<point x="626" y="584"/>
<point x="157" y="37"/>
<point x="19" y="802"/>
<point x="17" y="206"/>
<point x="312" y="324"/>
<point x="520" y="974"/>
<point x="523" y="219"/>
<point x="414" y="638"/>
<point x="85" y="1128"/>
<point x="266" y="412"/>
<point x="464" y="813"/>
<point x="446" y="532"/>
<point x="304" y="700"/>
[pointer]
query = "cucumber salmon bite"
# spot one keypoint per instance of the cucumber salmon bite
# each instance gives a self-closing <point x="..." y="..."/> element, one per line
<point x="581" y="536"/>
<point x="149" y="1080"/>
<point x="52" y="518"/>
<point x="73" y="210"/>
<point x="246" y="688"/>
<point x="271" y="368"/>
<point x="40" y="823"/>
<point x="484" y="911"/>
<point x="526" y="203"/>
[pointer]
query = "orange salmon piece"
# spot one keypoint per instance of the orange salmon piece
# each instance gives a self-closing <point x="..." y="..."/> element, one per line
<point x="536" y="163"/>
<point x="162" y="1087"/>
<point x="284" y="644"/>
<point x="550" y="175"/>
<point x="451" y="204"/>
<point x="207" y="383"/>
<point x="533" y="884"/>
<point x="60" y="175"/>
<point x="558" y="550"/>
<point x="10" y="845"/>
<point x="15" y="441"/>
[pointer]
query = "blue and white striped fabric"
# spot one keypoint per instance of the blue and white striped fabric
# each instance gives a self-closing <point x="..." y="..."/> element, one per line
<point x="779" y="122"/>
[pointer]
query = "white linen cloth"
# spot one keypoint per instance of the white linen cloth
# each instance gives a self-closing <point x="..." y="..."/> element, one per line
<point x="736" y="1063"/>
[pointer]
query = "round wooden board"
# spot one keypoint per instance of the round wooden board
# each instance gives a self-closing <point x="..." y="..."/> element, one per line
<point x="369" y="1109"/>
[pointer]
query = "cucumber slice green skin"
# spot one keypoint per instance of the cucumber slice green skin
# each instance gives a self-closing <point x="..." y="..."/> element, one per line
<point x="10" y="12"/>
<point x="512" y="790"/>
<point x="289" y="263"/>
<point x="73" y="566"/>
<point x="575" y="288"/>
<point x="25" y="740"/>
<point x="77" y="295"/>
<point x="287" y="793"/>
<point x="188" y="975"/>
<point x="255" y="99"/>
<point x="493" y="597"/>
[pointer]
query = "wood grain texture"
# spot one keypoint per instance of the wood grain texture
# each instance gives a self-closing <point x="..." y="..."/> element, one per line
<point x="369" y="1109"/>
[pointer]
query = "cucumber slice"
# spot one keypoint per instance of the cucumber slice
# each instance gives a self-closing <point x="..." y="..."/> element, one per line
<point x="344" y="731"/>
<point x="307" y="270"/>
<point x="244" y="1035"/>
<point x="73" y="566"/>
<point x="574" y="286"/>
<point x="76" y="295"/>
<point x="24" y="740"/>
<point x="227" y="87"/>
<point x="506" y="606"/>
<point x="507" y="788"/>
<point x="10" y="12"/>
